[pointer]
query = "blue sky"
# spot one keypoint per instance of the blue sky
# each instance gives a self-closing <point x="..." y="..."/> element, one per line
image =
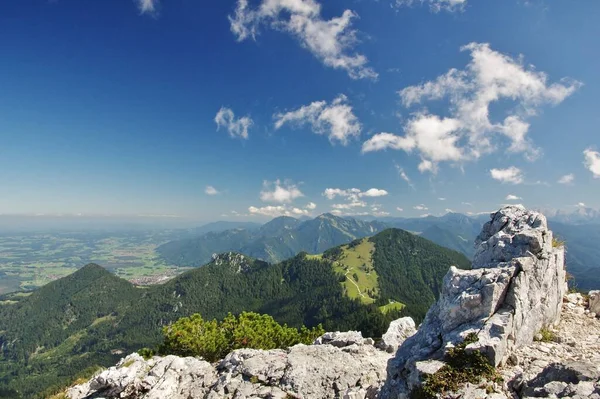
<point x="246" y="110"/>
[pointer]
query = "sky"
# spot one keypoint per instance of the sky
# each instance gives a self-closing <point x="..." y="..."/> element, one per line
<point x="251" y="109"/>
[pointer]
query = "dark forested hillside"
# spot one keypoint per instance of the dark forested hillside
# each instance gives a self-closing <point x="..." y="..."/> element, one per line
<point x="92" y="317"/>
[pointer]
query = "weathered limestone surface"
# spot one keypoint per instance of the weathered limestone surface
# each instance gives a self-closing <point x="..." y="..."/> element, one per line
<point x="515" y="289"/>
<point x="398" y="331"/>
<point x="595" y="302"/>
<point x="313" y="371"/>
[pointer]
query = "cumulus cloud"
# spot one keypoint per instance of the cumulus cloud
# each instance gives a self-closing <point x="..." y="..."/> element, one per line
<point x="434" y="5"/>
<point x="282" y="210"/>
<point x="592" y="162"/>
<point x="509" y="175"/>
<point x="448" y="210"/>
<point x="331" y="41"/>
<point x="399" y="209"/>
<point x="353" y="194"/>
<point x="280" y="192"/>
<point x="420" y="207"/>
<point x="335" y="119"/>
<point x="441" y="199"/>
<point x="147" y="6"/>
<point x="580" y="205"/>
<point x="373" y="192"/>
<point x="350" y="205"/>
<point x="468" y="132"/>
<point x="235" y="127"/>
<point x="210" y="190"/>
<point x="354" y="198"/>
<point x="567" y="179"/>
<point x="512" y="197"/>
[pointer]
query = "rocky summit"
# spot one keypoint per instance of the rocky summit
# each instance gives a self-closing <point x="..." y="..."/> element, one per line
<point x="542" y="341"/>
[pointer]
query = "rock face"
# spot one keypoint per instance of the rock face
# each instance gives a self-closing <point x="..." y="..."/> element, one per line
<point x="398" y="331"/>
<point x="314" y="371"/>
<point x="514" y="290"/>
<point x="568" y="365"/>
<point x="595" y="302"/>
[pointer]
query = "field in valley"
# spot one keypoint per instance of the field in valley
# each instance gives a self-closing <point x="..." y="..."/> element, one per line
<point x="28" y="261"/>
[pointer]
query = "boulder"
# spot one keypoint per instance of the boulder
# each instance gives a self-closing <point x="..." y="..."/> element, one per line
<point x="341" y="339"/>
<point x="594" y="304"/>
<point x="398" y="331"/>
<point x="515" y="288"/>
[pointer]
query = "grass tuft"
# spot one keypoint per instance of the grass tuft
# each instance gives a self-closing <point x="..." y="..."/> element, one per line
<point x="461" y="367"/>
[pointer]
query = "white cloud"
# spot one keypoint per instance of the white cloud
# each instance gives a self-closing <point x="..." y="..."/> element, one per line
<point x="336" y="120"/>
<point x="331" y="193"/>
<point x="403" y="175"/>
<point x="467" y="203"/>
<point x="331" y="41"/>
<point x="512" y="197"/>
<point x="281" y="210"/>
<point x="468" y="132"/>
<point x="272" y="211"/>
<point x="441" y="199"/>
<point x="350" y="205"/>
<point x="147" y="6"/>
<point x="373" y="192"/>
<point x="353" y="198"/>
<point x="434" y="5"/>
<point x="210" y="190"/>
<point x="567" y="179"/>
<point x="399" y="209"/>
<point x="353" y="194"/>
<point x="509" y="175"/>
<point x="580" y="205"/>
<point x="420" y="207"/>
<point x="281" y="192"/>
<point x="448" y="210"/>
<point x="236" y="127"/>
<point x="592" y="162"/>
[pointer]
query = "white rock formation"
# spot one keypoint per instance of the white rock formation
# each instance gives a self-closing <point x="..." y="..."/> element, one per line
<point x="340" y="339"/>
<point x="398" y="331"/>
<point x="594" y="302"/>
<point x="515" y="289"/>
<point x="313" y="371"/>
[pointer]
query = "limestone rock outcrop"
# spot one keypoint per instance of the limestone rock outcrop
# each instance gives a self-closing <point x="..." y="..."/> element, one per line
<point x="398" y="331"/>
<point x="515" y="289"/>
<point x="594" y="302"/>
<point x="313" y="371"/>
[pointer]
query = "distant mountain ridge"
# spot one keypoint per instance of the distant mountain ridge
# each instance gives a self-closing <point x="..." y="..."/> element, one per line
<point x="279" y="239"/>
<point x="285" y="237"/>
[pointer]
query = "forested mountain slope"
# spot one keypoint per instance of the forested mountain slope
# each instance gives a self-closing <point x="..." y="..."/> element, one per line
<point x="91" y="317"/>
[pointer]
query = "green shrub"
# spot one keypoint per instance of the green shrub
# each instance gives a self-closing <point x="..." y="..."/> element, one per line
<point x="146" y="353"/>
<point x="546" y="335"/>
<point x="461" y="367"/>
<point x="194" y="336"/>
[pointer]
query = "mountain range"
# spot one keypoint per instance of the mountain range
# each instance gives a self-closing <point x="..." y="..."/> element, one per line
<point x="279" y="239"/>
<point x="92" y="317"/>
<point x="284" y="237"/>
